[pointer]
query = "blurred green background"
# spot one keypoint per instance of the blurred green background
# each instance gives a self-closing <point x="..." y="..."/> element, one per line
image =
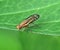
<point x="43" y="34"/>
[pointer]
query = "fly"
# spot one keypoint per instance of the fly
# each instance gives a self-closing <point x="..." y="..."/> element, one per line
<point x="28" y="20"/>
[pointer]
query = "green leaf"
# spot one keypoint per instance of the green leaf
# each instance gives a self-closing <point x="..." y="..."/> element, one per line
<point x="13" y="12"/>
<point x="38" y="35"/>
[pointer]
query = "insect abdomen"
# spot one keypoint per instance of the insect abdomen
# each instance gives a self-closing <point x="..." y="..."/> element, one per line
<point x="32" y="18"/>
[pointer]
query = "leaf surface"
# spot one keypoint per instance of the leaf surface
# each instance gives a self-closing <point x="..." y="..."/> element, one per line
<point x="38" y="35"/>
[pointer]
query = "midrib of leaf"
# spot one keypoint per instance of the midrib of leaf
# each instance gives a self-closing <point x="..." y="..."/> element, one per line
<point x="10" y="24"/>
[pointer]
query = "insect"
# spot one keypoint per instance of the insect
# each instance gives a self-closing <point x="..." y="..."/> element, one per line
<point x="28" y="20"/>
